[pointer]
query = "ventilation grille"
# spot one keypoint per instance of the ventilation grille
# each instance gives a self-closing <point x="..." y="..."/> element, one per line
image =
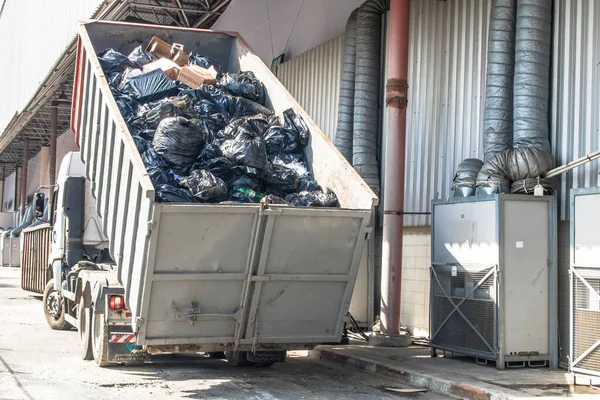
<point x="586" y="321"/>
<point x="463" y="310"/>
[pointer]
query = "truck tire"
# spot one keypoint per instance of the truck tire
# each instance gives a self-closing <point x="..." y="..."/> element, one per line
<point x="54" y="308"/>
<point x="237" y="358"/>
<point x="84" y="328"/>
<point x="100" y="340"/>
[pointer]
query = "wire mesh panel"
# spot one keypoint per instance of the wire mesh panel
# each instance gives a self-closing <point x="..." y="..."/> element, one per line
<point x="463" y="309"/>
<point x="586" y="320"/>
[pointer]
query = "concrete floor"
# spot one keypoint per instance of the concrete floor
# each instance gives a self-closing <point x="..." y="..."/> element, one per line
<point x="39" y="363"/>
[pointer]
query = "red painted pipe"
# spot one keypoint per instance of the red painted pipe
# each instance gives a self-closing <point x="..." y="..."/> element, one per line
<point x="395" y="144"/>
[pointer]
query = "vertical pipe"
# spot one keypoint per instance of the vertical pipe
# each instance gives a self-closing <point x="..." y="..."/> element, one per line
<point x="3" y="184"/>
<point x="395" y="144"/>
<point x="53" y="133"/>
<point x="24" y="175"/>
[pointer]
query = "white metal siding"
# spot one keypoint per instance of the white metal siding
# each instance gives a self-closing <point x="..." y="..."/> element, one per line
<point x="575" y="119"/>
<point x="447" y="66"/>
<point x="34" y="33"/>
<point x="313" y="78"/>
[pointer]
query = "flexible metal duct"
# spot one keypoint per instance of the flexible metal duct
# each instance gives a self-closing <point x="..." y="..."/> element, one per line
<point x="498" y="115"/>
<point x="366" y="94"/>
<point x="345" y="122"/>
<point x="532" y="73"/>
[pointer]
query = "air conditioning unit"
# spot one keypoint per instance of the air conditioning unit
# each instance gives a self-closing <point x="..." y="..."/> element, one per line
<point x="585" y="282"/>
<point x="494" y="279"/>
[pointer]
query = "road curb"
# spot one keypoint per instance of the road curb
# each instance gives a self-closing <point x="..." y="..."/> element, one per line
<point x="431" y="383"/>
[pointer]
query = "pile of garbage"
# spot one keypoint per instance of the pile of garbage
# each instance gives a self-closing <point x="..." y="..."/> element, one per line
<point x="206" y="135"/>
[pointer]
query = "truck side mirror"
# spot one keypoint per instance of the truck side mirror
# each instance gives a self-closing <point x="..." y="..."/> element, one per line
<point x="39" y="199"/>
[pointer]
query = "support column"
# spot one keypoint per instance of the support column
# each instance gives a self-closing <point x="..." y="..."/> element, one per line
<point x="24" y="175"/>
<point x="53" y="135"/>
<point x="393" y="198"/>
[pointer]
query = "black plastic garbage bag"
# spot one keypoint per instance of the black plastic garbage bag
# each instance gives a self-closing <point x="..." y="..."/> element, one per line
<point x="220" y="167"/>
<point x="244" y="84"/>
<point x="206" y="63"/>
<point x="233" y="105"/>
<point x="140" y="57"/>
<point x="113" y="63"/>
<point x="250" y="172"/>
<point x="151" y="159"/>
<point x="159" y="177"/>
<point x="287" y="158"/>
<point x="151" y="114"/>
<point x="313" y="199"/>
<point x="245" y="146"/>
<point x="179" y="141"/>
<point x="288" y="138"/>
<point x="172" y="194"/>
<point x="282" y="179"/>
<point x="205" y="186"/>
<point x="141" y="144"/>
<point x="294" y="163"/>
<point x="150" y="86"/>
<point x="308" y="184"/>
<point x="294" y="121"/>
<point x="209" y="151"/>
<point x="207" y="108"/>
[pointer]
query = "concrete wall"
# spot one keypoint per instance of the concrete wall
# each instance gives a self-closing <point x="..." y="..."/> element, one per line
<point x="416" y="262"/>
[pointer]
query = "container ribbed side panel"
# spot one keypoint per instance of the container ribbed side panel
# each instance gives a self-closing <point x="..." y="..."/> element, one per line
<point x="575" y="122"/>
<point x="446" y="98"/>
<point x="313" y="78"/>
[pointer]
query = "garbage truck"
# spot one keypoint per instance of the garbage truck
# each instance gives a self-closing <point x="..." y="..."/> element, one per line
<point x="137" y="277"/>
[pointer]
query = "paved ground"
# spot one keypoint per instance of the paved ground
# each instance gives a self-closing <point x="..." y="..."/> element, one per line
<point x="38" y="363"/>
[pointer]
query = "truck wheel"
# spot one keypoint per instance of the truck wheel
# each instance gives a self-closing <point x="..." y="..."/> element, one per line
<point x="84" y="328"/>
<point x="100" y="340"/>
<point x="237" y="358"/>
<point x="54" y="308"/>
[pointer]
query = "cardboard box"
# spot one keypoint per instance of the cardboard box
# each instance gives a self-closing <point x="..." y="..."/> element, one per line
<point x="161" y="49"/>
<point x="170" y="68"/>
<point x="195" y="76"/>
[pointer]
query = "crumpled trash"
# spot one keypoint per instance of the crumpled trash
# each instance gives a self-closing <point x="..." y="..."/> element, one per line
<point x="150" y="114"/>
<point x="179" y="141"/>
<point x="281" y="179"/>
<point x="294" y="163"/>
<point x="292" y="137"/>
<point x="173" y="194"/>
<point x="307" y="184"/>
<point x="240" y="182"/>
<point x="151" y="159"/>
<point x="246" y="195"/>
<point x="150" y="86"/>
<point x="313" y="199"/>
<point x="235" y="106"/>
<point x="140" y="57"/>
<point x="243" y="84"/>
<point x="205" y="186"/>
<point x="272" y="199"/>
<point x="113" y="63"/>
<point x="220" y="167"/>
<point x="159" y="176"/>
<point x="245" y="146"/>
<point x="141" y="144"/>
<point x="206" y="63"/>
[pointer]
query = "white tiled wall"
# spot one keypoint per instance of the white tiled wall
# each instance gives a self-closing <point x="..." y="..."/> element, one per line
<point x="416" y="261"/>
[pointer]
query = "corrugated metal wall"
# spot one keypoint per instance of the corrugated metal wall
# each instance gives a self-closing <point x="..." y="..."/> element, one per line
<point x="446" y="96"/>
<point x="34" y="33"/>
<point x="313" y="78"/>
<point x="576" y="92"/>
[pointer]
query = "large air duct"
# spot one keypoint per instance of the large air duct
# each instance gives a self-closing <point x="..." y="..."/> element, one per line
<point x="367" y="93"/>
<point x="345" y="123"/>
<point x="498" y="115"/>
<point x="532" y="74"/>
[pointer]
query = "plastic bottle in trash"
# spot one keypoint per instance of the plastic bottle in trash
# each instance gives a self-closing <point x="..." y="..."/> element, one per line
<point x="252" y="194"/>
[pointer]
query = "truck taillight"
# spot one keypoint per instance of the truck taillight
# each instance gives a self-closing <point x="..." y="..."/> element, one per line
<point x="116" y="303"/>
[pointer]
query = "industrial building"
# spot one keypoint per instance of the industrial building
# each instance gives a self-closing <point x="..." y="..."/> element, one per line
<point x="303" y="43"/>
